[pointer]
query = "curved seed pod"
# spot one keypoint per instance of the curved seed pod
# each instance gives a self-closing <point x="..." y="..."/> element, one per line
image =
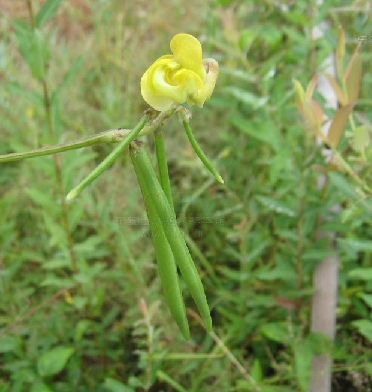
<point x="142" y="164"/>
<point x="200" y="153"/>
<point x="166" y="265"/>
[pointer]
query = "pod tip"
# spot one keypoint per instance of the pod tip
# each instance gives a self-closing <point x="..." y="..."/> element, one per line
<point x="71" y="195"/>
<point x="208" y="324"/>
<point x="186" y="335"/>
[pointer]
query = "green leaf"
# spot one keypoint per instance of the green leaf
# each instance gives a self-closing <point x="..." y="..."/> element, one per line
<point x="47" y="11"/>
<point x="15" y="88"/>
<point x="23" y="34"/>
<point x="81" y="327"/>
<point x="56" y="264"/>
<point x="336" y="88"/>
<point x="69" y="76"/>
<point x="362" y="138"/>
<point x="53" y="361"/>
<point x="39" y="55"/>
<point x="43" y="199"/>
<point x="279" y="332"/>
<point x="263" y="131"/>
<point x="256" y="370"/>
<point x="8" y="344"/>
<point x="367" y="298"/>
<point x="364" y="327"/>
<point x="112" y="385"/>
<point x="303" y="357"/>
<point x="246" y="97"/>
<point x="338" y="124"/>
<point x="55" y="281"/>
<point x="356" y="245"/>
<point x="33" y="48"/>
<point x="279" y="272"/>
<point x="319" y="343"/>
<point x="353" y="76"/>
<point x="339" y="182"/>
<point x="361" y="273"/>
<point x="40" y="387"/>
<point x="297" y="18"/>
<point x="276" y="206"/>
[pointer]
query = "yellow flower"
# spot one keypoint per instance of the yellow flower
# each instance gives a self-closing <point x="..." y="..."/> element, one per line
<point x="180" y="77"/>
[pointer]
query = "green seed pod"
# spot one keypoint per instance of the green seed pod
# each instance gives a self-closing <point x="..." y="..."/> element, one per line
<point x="143" y="167"/>
<point x="200" y="153"/>
<point x="163" y="166"/>
<point x="109" y="160"/>
<point x="166" y="265"/>
<point x="164" y="176"/>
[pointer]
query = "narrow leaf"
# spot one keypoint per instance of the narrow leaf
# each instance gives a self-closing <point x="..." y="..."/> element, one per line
<point x="311" y="86"/>
<point x="39" y="55"/>
<point x="353" y="78"/>
<point x="48" y="10"/>
<point x="300" y="93"/>
<point x="40" y="387"/>
<point x="338" y="124"/>
<point x="364" y="327"/>
<point x="340" y="51"/>
<point x="303" y="356"/>
<point x="69" y="76"/>
<point x="336" y="88"/>
<point x="351" y="62"/>
<point x="113" y="385"/>
<point x="15" y="88"/>
<point x="317" y="115"/>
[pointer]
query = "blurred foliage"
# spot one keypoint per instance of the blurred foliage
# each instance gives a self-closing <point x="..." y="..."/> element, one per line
<point x="102" y="325"/>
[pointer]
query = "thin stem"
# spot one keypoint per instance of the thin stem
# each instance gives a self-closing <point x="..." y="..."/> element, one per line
<point x="109" y="160"/>
<point x="109" y="136"/>
<point x="300" y="243"/>
<point x="163" y="166"/>
<point x="200" y="153"/>
<point x="31" y="14"/>
<point x="219" y="342"/>
<point x="48" y="113"/>
<point x="57" y="168"/>
<point x="346" y="166"/>
<point x="350" y="171"/>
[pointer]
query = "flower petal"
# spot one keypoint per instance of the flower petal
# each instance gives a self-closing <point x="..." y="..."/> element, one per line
<point x="158" y="102"/>
<point x="188" y="80"/>
<point x="187" y="52"/>
<point x="204" y="93"/>
<point x="160" y="85"/>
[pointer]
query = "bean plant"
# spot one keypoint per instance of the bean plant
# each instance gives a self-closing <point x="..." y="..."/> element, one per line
<point x="169" y="82"/>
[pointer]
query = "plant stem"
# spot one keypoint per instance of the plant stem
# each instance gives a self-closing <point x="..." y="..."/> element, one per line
<point x="57" y="168"/>
<point x="345" y="165"/>
<point x="200" y="153"/>
<point x="31" y="14"/>
<point x="109" y="136"/>
<point x="109" y="160"/>
<point x="48" y="113"/>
